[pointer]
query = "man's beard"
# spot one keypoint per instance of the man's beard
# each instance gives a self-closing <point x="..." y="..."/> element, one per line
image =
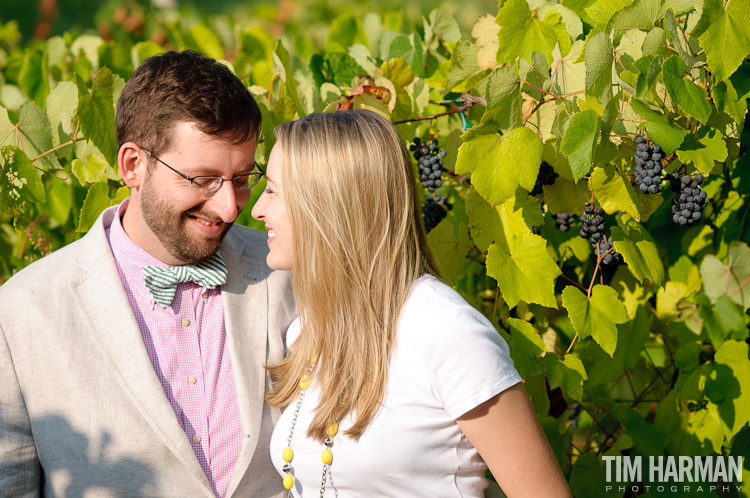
<point x="170" y="227"/>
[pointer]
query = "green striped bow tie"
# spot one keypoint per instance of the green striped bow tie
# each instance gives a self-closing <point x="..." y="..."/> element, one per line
<point x="162" y="281"/>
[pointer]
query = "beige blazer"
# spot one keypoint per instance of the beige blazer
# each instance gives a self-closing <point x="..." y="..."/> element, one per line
<point x="82" y="412"/>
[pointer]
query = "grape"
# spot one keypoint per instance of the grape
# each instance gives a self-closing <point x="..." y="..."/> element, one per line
<point x="564" y="220"/>
<point x="430" y="160"/>
<point x="546" y="176"/>
<point x="435" y="208"/>
<point x="593" y="228"/>
<point x="648" y="166"/>
<point x="689" y="199"/>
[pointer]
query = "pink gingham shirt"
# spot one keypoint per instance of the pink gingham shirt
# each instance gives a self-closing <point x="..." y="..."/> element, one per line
<point x="186" y="343"/>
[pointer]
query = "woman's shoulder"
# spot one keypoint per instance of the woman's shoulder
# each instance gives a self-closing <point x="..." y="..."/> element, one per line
<point x="436" y="307"/>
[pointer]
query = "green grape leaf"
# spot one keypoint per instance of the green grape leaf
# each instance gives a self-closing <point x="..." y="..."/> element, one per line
<point x="567" y="374"/>
<point x="505" y="164"/>
<point x="671" y="24"/>
<point x="691" y="98"/>
<point x="97" y="200"/>
<point x="504" y="99"/>
<point x="20" y="185"/>
<point x="143" y="50"/>
<point x="613" y="191"/>
<point x="411" y="49"/>
<point x="206" y="41"/>
<point x="443" y="25"/>
<point x="565" y="196"/>
<point x="650" y="68"/>
<point x="337" y="68"/>
<point x="526" y="347"/>
<point x="661" y="130"/>
<point x="498" y="224"/>
<point x="641" y="14"/>
<point x="568" y="73"/>
<point x="96" y="113"/>
<point x="639" y="251"/>
<point x="724" y="33"/>
<point x="33" y="77"/>
<point x="59" y="203"/>
<point x="91" y="171"/>
<point x="706" y="426"/>
<point x="601" y="11"/>
<point x="62" y="103"/>
<point x="450" y="250"/>
<point x="32" y="134"/>
<point x="596" y="317"/>
<point x="655" y="43"/>
<point x="720" y="320"/>
<point x="727" y="386"/>
<point x="647" y="438"/>
<point x="732" y="280"/>
<point x="579" y="142"/>
<point x="536" y="75"/>
<point x="599" y="62"/>
<point x="283" y="63"/>
<point x="346" y="30"/>
<point x="398" y="71"/>
<point x="525" y="271"/>
<point x="706" y="152"/>
<point x="587" y="478"/>
<point x="731" y="95"/>
<point x="464" y="72"/>
<point x="521" y="34"/>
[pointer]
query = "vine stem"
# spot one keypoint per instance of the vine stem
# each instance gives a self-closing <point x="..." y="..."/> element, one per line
<point x="458" y="177"/>
<point x="573" y="282"/>
<point x="470" y="247"/>
<point x="591" y="431"/>
<point x="464" y="107"/>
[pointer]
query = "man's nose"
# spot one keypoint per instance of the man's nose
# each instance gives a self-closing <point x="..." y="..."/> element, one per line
<point x="225" y="202"/>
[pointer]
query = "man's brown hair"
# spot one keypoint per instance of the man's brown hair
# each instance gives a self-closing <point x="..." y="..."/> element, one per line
<point x="184" y="86"/>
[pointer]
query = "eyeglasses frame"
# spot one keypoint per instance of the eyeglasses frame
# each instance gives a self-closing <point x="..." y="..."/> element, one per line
<point x="256" y="175"/>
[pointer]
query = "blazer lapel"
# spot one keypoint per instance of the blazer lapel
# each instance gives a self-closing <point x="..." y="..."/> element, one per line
<point x="109" y="317"/>
<point x="245" y="299"/>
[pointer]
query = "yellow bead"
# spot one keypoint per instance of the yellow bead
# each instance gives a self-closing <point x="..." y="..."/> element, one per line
<point x="327" y="457"/>
<point x="287" y="454"/>
<point x="288" y="482"/>
<point x="332" y="429"/>
<point x="304" y="382"/>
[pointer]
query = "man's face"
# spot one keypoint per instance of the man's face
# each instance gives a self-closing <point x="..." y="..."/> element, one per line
<point x="175" y="223"/>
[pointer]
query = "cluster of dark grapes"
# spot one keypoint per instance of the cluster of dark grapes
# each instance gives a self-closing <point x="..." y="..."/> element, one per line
<point x="430" y="159"/>
<point x="564" y="220"/>
<point x="546" y="176"/>
<point x="648" y="166"/>
<point x="435" y="208"/>
<point x="689" y="199"/>
<point x="593" y="229"/>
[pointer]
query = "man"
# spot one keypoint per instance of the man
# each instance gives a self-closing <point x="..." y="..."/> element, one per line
<point x="131" y="363"/>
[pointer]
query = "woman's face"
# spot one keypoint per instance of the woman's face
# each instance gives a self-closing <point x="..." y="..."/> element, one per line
<point x="271" y="208"/>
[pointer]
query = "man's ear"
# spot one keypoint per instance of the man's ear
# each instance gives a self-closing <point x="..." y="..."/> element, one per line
<point x="133" y="163"/>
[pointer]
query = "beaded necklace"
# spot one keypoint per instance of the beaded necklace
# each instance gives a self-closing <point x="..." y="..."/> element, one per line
<point x="288" y="454"/>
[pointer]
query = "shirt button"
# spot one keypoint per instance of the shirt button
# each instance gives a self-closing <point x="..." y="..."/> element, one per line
<point x="196" y="439"/>
<point x="191" y="379"/>
<point x="205" y="294"/>
<point x="149" y="302"/>
<point x="185" y="322"/>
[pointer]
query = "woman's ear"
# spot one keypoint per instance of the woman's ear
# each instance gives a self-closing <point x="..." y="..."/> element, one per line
<point x="132" y="162"/>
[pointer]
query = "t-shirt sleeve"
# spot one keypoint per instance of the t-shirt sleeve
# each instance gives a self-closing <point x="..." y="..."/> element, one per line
<point x="468" y="361"/>
<point x="292" y="332"/>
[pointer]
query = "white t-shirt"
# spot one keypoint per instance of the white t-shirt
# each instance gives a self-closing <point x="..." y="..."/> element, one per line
<point x="448" y="360"/>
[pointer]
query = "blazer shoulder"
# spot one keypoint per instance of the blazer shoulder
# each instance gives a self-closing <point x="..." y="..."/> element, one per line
<point x="248" y="242"/>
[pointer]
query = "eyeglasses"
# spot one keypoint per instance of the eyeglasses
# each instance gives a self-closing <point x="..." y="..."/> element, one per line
<point x="211" y="184"/>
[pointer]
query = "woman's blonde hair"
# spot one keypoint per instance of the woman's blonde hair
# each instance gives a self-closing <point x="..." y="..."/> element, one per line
<point x="359" y="244"/>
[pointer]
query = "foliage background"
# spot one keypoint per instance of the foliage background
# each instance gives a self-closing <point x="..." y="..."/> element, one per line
<point x="649" y="357"/>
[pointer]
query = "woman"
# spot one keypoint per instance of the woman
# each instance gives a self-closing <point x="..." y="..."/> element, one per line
<point x="393" y="385"/>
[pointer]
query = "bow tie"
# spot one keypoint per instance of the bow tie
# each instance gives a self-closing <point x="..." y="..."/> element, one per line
<point x="161" y="281"/>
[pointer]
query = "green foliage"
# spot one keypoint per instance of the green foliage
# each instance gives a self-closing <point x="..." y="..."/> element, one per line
<point x="653" y="350"/>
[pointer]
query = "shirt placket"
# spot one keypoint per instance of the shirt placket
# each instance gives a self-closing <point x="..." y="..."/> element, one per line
<point x="191" y="378"/>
